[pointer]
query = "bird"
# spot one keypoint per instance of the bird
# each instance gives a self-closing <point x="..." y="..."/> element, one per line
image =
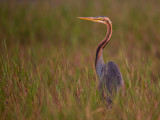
<point x="109" y="75"/>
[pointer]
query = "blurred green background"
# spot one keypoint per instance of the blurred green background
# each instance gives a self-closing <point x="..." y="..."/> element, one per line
<point x="47" y="58"/>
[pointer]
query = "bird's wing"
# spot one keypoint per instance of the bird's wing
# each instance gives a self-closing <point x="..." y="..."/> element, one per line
<point x="113" y="78"/>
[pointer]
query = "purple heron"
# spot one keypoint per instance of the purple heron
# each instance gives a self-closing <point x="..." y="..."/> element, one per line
<point x="109" y="75"/>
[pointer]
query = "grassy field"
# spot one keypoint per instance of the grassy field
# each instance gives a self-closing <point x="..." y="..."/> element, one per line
<point x="47" y="59"/>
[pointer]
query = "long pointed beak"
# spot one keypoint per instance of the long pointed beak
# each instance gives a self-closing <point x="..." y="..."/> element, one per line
<point x="95" y="19"/>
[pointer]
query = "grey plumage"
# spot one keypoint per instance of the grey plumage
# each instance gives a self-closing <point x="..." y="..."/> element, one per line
<point x="111" y="82"/>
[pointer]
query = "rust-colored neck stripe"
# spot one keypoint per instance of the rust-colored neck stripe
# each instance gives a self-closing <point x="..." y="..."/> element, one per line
<point x="104" y="42"/>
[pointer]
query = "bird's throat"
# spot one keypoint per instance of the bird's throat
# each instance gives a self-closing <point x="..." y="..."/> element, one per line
<point x="104" y="42"/>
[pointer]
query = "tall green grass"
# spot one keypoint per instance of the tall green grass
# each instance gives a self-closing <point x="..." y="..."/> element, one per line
<point x="47" y="59"/>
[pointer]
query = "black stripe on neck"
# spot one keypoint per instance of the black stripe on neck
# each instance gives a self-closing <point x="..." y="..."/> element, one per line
<point x="100" y="46"/>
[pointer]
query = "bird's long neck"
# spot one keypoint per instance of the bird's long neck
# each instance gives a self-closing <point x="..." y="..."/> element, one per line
<point x="99" y="62"/>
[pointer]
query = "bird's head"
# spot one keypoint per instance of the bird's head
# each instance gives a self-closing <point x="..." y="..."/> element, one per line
<point x="100" y="19"/>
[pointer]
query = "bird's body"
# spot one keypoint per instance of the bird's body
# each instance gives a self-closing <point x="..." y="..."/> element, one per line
<point x="110" y="78"/>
